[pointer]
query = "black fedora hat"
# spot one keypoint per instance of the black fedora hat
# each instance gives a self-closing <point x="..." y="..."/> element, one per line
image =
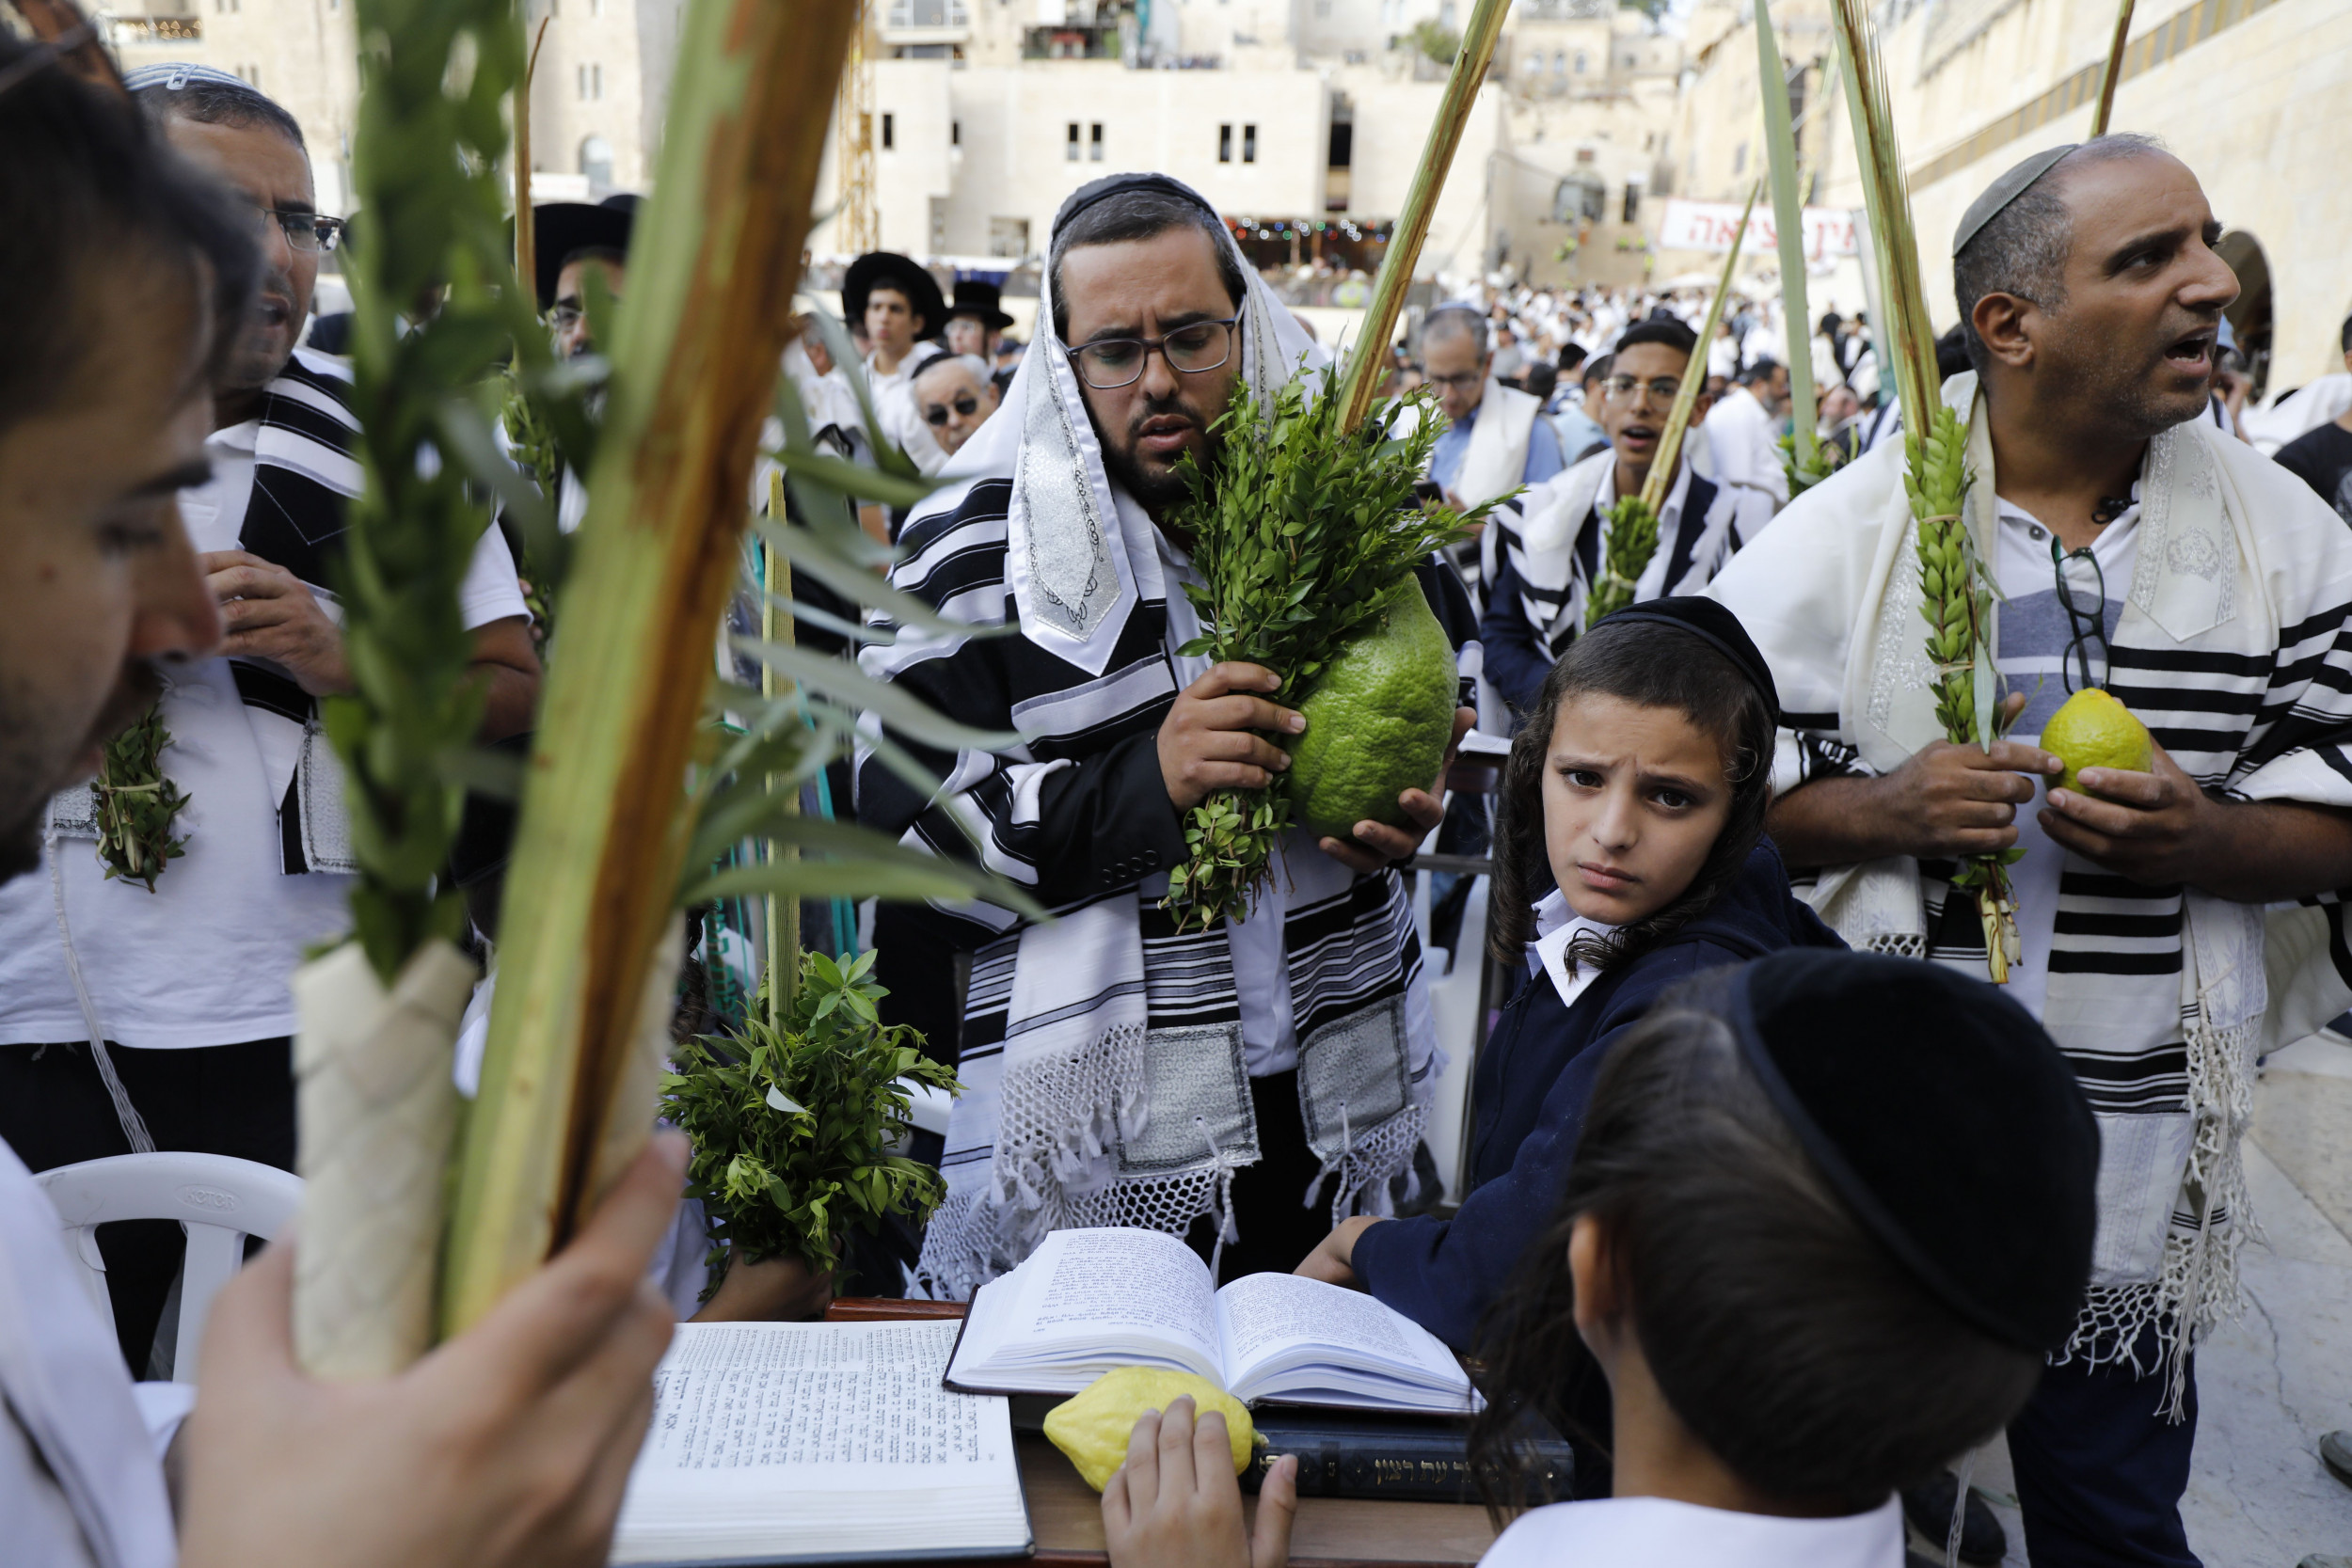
<point x="887" y="269"/>
<point x="977" y="296"/>
<point x="563" y="229"/>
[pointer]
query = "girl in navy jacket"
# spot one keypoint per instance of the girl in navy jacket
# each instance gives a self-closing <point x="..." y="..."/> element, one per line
<point x="1642" y="777"/>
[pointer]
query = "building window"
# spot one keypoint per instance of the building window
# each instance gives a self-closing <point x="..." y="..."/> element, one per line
<point x="596" y="162"/>
<point x="955" y="133"/>
<point x="1249" y="144"/>
<point x="890" y="132"/>
<point x="1740" y="160"/>
<point x="1535" y="63"/>
<point x="1225" y="144"/>
<point x="581" y="74"/>
<point x="1070" y="152"/>
<point x="1632" y="202"/>
<point x="595" y="8"/>
<point x="1094" y="142"/>
<point x="1581" y="62"/>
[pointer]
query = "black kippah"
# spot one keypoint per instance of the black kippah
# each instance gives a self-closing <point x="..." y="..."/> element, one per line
<point x="1947" y="1120"/>
<point x="1113" y="184"/>
<point x="1712" y="623"/>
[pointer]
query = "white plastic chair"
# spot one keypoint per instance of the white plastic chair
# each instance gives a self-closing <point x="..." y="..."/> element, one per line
<point x="219" y="1200"/>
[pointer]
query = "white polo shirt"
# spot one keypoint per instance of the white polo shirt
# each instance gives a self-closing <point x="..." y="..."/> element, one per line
<point x="204" y="959"/>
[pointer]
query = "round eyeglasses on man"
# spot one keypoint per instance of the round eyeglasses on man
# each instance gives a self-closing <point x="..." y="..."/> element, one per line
<point x="1107" y="364"/>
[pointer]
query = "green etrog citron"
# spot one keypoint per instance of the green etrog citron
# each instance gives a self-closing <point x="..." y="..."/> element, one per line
<point x="1377" y="722"/>
<point x="2093" y="730"/>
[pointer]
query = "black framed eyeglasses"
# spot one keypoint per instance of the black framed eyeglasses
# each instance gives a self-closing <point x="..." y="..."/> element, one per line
<point x="1109" y="363"/>
<point x="2086" y="616"/>
<point x="304" y="232"/>
<point x="964" y="404"/>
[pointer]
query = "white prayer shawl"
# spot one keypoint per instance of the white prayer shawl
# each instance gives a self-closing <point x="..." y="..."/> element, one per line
<point x="79" y="1481"/>
<point x="1747" y="452"/>
<point x="1494" y="465"/>
<point x="1496" y="460"/>
<point x="1088" y="1099"/>
<point x="2233" y="649"/>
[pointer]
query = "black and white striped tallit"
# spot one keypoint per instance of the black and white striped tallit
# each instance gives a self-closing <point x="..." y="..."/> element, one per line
<point x="1557" y="533"/>
<point x="306" y="473"/>
<point x="1102" y="1053"/>
<point x="2234" y="647"/>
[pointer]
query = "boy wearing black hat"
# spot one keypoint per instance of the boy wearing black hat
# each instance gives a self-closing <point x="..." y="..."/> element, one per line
<point x="1807" y="1268"/>
<point x="976" y="318"/>
<point x="898" y="303"/>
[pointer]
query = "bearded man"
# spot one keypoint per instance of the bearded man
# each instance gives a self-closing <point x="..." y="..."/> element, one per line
<point x="1118" y="1072"/>
<point x="2138" y="548"/>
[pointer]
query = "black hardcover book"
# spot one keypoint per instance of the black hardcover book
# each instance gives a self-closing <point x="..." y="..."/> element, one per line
<point x="1406" y="1460"/>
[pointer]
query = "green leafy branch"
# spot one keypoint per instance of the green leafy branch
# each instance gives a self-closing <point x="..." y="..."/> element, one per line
<point x="431" y="130"/>
<point x="1804" y="471"/>
<point x="793" y="1124"/>
<point x="136" y="804"/>
<point x="1957" y="608"/>
<point x="1300" y="530"/>
<point x="1632" y="540"/>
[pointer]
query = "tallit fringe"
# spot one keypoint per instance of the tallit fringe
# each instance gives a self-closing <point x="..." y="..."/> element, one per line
<point x="1901" y="944"/>
<point x="2197" y="1286"/>
<point x="1369" y="1164"/>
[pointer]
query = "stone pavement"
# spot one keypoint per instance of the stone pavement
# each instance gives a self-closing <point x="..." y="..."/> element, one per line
<point x="2271" y="1383"/>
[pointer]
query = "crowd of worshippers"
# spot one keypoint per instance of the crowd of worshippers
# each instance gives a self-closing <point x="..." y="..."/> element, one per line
<point x="1773" y="1206"/>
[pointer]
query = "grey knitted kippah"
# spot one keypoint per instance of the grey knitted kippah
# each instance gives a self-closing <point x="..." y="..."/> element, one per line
<point x="2007" y="188"/>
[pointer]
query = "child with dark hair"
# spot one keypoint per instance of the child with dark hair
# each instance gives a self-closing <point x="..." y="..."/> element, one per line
<point x="1810" y="1270"/>
<point x="1629" y="857"/>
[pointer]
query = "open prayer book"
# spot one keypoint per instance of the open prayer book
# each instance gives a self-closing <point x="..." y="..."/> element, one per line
<point x="835" y="1442"/>
<point x="1087" y="1301"/>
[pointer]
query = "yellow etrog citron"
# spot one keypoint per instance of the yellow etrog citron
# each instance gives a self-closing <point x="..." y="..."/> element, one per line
<point x="1094" y="1428"/>
<point x="2093" y="730"/>
<point x="1379" y="720"/>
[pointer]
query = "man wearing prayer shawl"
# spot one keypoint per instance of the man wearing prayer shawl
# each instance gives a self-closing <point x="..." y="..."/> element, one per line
<point x="1117" y="1071"/>
<point x="1553" y="540"/>
<point x="2136" y="546"/>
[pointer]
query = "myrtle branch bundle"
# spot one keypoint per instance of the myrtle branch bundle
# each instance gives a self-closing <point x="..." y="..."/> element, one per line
<point x="1302" y="531"/>
<point x="1954" y="598"/>
<point x="1632" y="537"/>
<point x="137" y="803"/>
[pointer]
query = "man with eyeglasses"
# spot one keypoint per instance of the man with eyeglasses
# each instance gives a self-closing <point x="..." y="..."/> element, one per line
<point x="1494" y="440"/>
<point x="179" y="996"/>
<point x="955" y="397"/>
<point x="1120" y="1070"/>
<point x="2176" y="922"/>
<point x="1553" y="542"/>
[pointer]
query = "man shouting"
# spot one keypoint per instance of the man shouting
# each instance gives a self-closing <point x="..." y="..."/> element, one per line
<point x="2136" y="547"/>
